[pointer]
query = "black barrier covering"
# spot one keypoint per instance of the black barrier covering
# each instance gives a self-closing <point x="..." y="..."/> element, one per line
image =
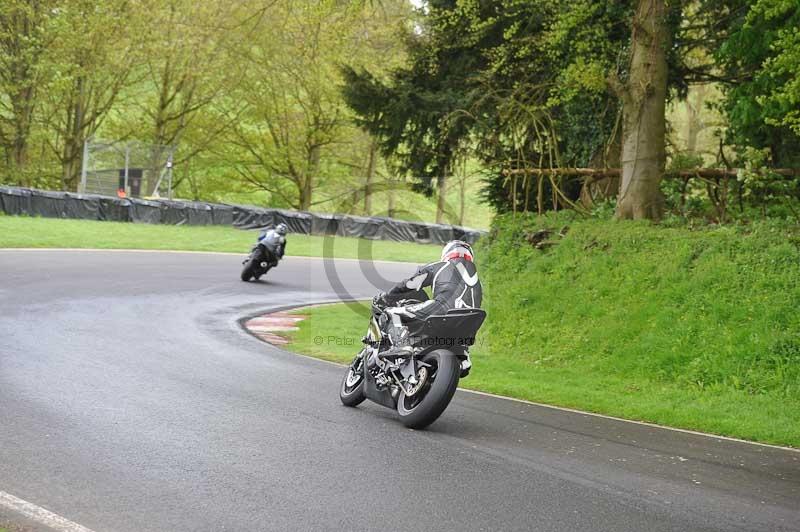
<point x="185" y="213"/>
<point x="81" y="206"/>
<point x="248" y="217"/>
<point x="361" y="227"/>
<point x="47" y="204"/>
<point x="325" y="224"/>
<point x="440" y="233"/>
<point x="297" y="221"/>
<point x="145" y="211"/>
<point x="222" y="214"/>
<point x="198" y="213"/>
<point x="398" y="230"/>
<point x="114" y="209"/>
<point x="471" y="235"/>
<point x="15" y="200"/>
<point x="18" y="200"/>
<point x="173" y="212"/>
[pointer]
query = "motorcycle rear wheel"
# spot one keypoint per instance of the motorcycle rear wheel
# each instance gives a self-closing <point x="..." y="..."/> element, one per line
<point x="425" y="407"/>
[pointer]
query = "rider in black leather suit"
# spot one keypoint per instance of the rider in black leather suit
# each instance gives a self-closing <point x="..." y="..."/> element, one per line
<point x="453" y="281"/>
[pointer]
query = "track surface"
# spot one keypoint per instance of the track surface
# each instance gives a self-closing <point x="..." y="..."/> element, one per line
<point x="131" y="400"/>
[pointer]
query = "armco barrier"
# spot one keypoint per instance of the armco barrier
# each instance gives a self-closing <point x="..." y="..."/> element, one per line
<point x="49" y="204"/>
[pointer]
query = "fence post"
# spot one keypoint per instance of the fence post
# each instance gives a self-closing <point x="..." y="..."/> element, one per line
<point x="169" y="174"/>
<point x="127" y="164"/>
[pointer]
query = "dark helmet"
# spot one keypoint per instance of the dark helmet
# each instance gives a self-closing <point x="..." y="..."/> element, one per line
<point x="281" y="228"/>
<point x="457" y="249"/>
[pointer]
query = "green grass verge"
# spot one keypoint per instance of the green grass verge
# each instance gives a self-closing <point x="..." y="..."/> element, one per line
<point x="29" y="232"/>
<point x="692" y="329"/>
<point x="331" y="332"/>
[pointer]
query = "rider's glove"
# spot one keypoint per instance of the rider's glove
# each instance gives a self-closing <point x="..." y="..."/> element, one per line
<point x="379" y="301"/>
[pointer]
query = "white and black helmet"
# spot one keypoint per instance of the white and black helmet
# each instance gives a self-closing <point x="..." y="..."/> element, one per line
<point x="457" y="249"/>
<point x="281" y="228"/>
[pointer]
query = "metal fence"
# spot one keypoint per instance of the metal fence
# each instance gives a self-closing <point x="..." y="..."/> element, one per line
<point x="126" y="169"/>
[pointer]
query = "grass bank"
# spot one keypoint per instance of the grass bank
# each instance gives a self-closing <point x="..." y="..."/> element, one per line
<point x="696" y="329"/>
<point x="29" y="232"/>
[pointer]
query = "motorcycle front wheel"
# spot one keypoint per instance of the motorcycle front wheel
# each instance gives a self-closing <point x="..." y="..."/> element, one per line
<point x="247" y="271"/>
<point x="351" y="392"/>
<point x="427" y="404"/>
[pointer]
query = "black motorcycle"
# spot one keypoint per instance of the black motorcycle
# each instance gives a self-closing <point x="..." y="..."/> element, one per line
<point x="414" y="367"/>
<point x="258" y="262"/>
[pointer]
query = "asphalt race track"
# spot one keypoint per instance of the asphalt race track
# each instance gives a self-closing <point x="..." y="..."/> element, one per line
<point x="131" y="400"/>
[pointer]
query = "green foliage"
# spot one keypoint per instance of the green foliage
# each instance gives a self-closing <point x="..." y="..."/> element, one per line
<point x="762" y="55"/>
<point x="653" y="313"/>
<point x="247" y="93"/>
<point x="515" y="83"/>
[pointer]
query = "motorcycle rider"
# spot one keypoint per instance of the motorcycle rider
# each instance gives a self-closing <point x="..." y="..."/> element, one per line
<point x="274" y="241"/>
<point x="453" y="282"/>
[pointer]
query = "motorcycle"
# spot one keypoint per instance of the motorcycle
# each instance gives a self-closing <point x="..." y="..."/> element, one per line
<point x="259" y="261"/>
<point x="413" y="368"/>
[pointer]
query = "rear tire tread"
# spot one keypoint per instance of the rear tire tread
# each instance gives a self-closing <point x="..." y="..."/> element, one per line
<point x="432" y="406"/>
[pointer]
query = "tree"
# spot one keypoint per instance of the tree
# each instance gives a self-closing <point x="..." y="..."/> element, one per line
<point x="414" y="116"/>
<point x="22" y="43"/>
<point x="90" y="72"/>
<point x="294" y="114"/>
<point x="643" y="98"/>
<point x="187" y="63"/>
<point x="759" y="60"/>
<point x="502" y="80"/>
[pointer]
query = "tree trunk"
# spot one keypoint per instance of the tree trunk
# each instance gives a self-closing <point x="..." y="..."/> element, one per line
<point x="156" y="163"/>
<point x="694" y="118"/>
<point x="643" y="122"/>
<point x="314" y="156"/>
<point x="22" y="106"/>
<point x="21" y="48"/>
<point x="74" y="137"/>
<point x="20" y="153"/>
<point x="373" y="148"/>
<point x="441" y="203"/>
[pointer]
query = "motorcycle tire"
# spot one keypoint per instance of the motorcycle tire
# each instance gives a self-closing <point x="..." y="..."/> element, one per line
<point x="425" y="407"/>
<point x="257" y="276"/>
<point x="352" y="393"/>
<point x="247" y="271"/>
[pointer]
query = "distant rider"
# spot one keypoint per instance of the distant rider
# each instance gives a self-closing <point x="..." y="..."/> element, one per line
<point x="274" y="241"/>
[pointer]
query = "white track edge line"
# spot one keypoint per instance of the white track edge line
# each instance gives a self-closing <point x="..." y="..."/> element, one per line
<point x="39" y="514"/>
<point x="634" y="421"/>
<point x="544" y="405"/>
